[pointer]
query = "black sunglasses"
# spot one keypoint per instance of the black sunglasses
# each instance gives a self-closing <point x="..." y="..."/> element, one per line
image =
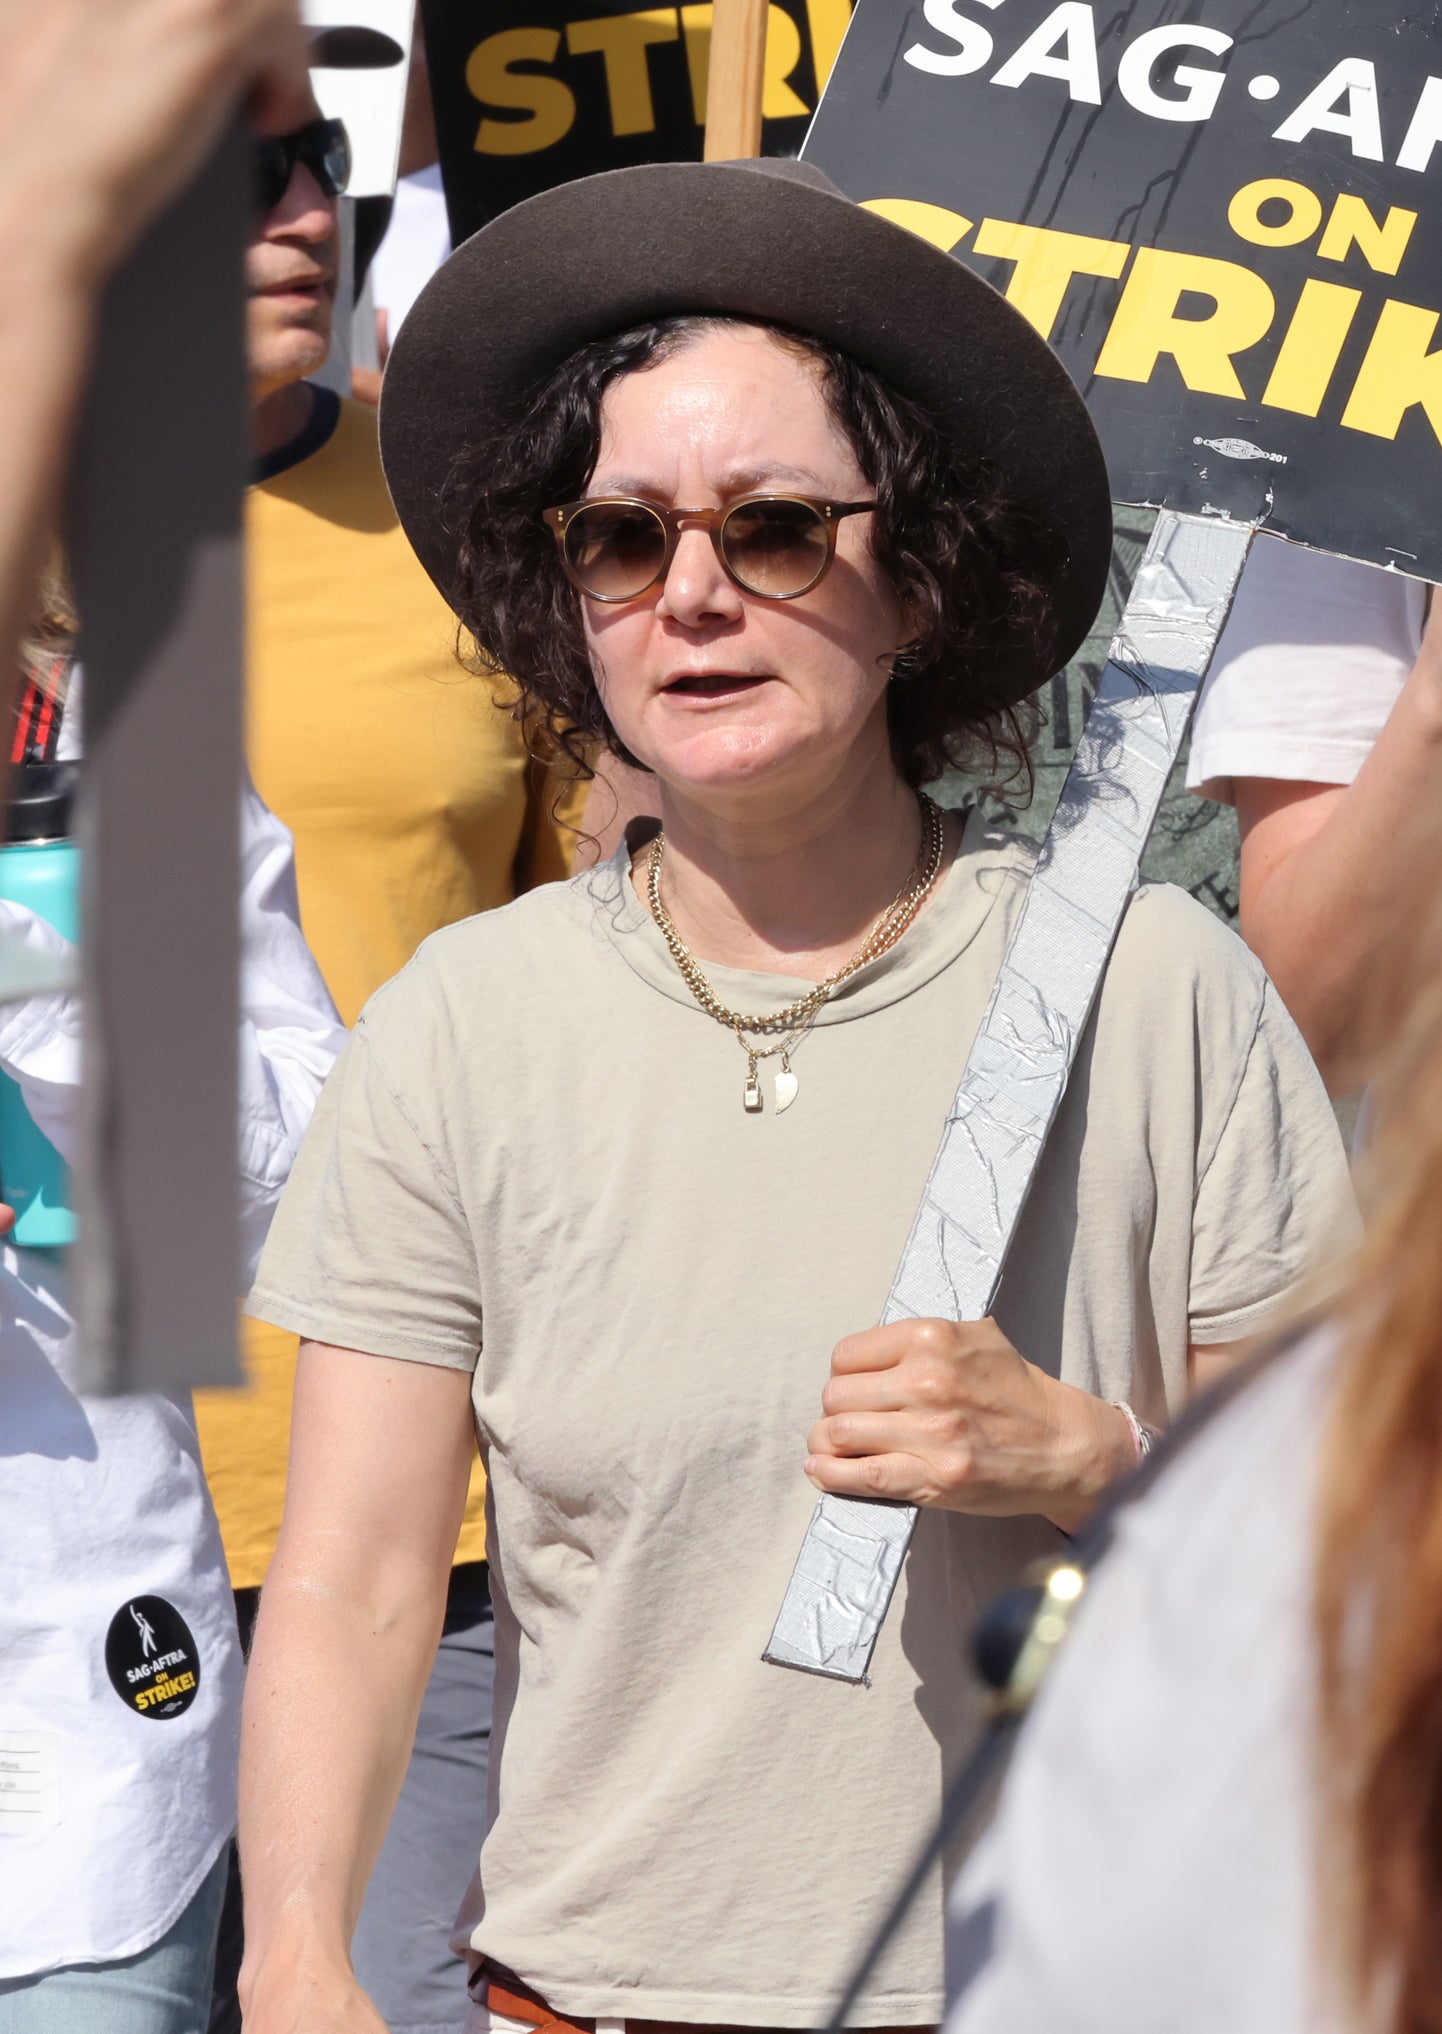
<point x="322" y="145"/>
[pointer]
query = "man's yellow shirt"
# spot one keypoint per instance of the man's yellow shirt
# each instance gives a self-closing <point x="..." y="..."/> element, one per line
<point x="413" y="803"/>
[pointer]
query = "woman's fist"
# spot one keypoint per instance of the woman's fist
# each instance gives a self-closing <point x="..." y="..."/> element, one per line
<point x="948" y="1413"/>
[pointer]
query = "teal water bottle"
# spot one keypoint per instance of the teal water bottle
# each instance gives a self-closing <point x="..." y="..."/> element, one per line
<point x="40" y="868"/>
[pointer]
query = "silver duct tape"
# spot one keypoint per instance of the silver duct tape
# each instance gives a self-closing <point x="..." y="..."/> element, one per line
<point x="841" y="1587"/>
<point x="850" y="1560"/>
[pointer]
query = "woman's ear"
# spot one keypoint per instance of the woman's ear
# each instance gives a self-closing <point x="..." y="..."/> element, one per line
<point x="909" y="598"/>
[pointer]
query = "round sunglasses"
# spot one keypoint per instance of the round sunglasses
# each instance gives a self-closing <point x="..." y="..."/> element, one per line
<point x="322" y="145"/>
<point x="616" y="547"/>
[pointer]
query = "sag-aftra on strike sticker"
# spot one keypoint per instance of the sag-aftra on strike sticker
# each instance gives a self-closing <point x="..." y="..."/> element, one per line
<point x="152" y="1659"/>
<point x="1226" y="225"/>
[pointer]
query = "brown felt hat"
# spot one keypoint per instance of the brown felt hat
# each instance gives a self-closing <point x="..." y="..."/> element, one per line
<point x="769" y="240"/>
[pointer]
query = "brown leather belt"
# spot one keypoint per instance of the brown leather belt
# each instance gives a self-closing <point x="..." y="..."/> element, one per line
<point x="505" y="1993"/>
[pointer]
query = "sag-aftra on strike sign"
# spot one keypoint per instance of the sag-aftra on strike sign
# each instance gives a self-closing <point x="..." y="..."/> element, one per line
<point x="1224" y="214"/>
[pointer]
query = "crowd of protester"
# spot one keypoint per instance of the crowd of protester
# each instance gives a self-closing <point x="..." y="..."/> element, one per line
<point x="669" y="776"/>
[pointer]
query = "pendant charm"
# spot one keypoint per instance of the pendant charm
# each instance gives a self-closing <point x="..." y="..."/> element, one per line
<point x="786" y="1086"/>
<point x="752" y="1094"/>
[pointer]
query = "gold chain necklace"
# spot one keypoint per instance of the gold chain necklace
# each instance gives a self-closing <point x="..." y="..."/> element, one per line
<point x="798" y="1017"/>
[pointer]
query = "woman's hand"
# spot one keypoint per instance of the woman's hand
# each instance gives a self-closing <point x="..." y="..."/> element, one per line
<point x="311" y="1995"/>
<point x="948" y="1413"/>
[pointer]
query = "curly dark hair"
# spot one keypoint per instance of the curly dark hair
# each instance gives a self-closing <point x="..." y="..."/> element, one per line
<point x="973" y="564"/>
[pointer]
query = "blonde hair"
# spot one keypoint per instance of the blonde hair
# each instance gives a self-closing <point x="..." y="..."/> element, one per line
<point x="50" y="639"/>
<point x="1379" y="1558"/>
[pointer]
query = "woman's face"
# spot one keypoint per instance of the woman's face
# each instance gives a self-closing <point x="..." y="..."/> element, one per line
<point x="733" y="700"/>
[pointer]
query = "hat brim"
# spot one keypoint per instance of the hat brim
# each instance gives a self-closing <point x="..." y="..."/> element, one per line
<point x="354" y="49"/>
<point x="768" y="240"/>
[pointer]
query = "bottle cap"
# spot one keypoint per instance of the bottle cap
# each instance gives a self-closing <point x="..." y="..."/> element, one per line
<point x="40" y="801"/>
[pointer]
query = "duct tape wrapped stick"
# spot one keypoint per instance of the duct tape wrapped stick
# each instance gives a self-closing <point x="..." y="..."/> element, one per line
<point x="851" y="1558"/>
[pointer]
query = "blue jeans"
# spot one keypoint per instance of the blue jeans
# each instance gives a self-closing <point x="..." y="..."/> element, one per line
<point x="163" y="1990"/>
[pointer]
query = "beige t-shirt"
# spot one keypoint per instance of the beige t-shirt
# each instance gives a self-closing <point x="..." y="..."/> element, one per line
<point x="533" y="1162"/>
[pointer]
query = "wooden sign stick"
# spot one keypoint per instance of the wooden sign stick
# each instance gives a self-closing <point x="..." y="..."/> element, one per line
<point x="736" y="72"/>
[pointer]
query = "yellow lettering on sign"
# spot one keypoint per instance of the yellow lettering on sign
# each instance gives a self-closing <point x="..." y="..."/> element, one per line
<point x="783" y="53"/>
<point x="828" y="21"/>
<point x="1397" y="373"/>
<point x="1381" y="243"/>
<point x="623" y="40"/>
<point x="1302" y="221"/>
<point x="1312" y="348"/>
<point x="928" y="222"/>
<point x="1146" y="324"/>
<point x="550" y="103"/>
<point x="1046" y="261"/>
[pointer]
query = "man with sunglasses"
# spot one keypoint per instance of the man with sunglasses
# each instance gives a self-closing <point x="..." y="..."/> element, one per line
<point x="413" y="803"/>
<point x="290" y="276"/>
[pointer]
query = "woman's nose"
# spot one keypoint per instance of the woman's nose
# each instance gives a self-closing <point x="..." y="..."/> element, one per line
<point x="697" y="587"/>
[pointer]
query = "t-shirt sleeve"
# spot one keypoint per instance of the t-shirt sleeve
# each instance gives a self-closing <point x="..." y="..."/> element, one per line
<point x="1307" y="670"/>
<point x="1274" y="1205"/>
<point x="370" y="1248"/>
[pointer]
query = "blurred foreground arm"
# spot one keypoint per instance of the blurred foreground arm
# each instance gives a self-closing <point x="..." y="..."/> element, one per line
<point x="107" y="107"/>
<point x="1326" y="900"/>
<point x="349" y="1622"/>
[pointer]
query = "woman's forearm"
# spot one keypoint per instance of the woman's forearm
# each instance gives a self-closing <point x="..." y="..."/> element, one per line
<point x="349" y="1620"/>
<point x="342" y="1649"/>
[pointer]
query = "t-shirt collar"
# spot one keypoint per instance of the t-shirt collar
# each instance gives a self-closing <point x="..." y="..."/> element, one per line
<point x="985" y="867"/>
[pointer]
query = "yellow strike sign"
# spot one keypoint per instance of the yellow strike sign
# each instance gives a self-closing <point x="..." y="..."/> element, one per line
<point x="624" y="42"/>
<point x="1399" y="370"/>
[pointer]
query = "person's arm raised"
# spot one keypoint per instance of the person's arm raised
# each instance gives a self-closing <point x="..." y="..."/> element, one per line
<point x="349" y="1621"/>
<point x="1330" y="876"/>
<point x="107" y="107"/>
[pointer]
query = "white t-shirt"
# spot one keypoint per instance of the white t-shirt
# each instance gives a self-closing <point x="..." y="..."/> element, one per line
<point x="1150" y="1868"/>
<point x="1308" y="668"/>
<point x="118" y="1718"/>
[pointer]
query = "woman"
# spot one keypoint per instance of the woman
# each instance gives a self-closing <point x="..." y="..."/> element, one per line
<point x="122" y="1675"/>
<point x="791" y="534"/>
<point x="1225" y="1811"/>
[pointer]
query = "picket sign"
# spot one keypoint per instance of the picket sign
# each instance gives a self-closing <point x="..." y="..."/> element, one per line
<point x="529" y="94"/>
<point x="1225" y="226"/>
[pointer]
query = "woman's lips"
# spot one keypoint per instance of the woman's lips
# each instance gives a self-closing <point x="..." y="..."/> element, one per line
<point x="712" y="685"/>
